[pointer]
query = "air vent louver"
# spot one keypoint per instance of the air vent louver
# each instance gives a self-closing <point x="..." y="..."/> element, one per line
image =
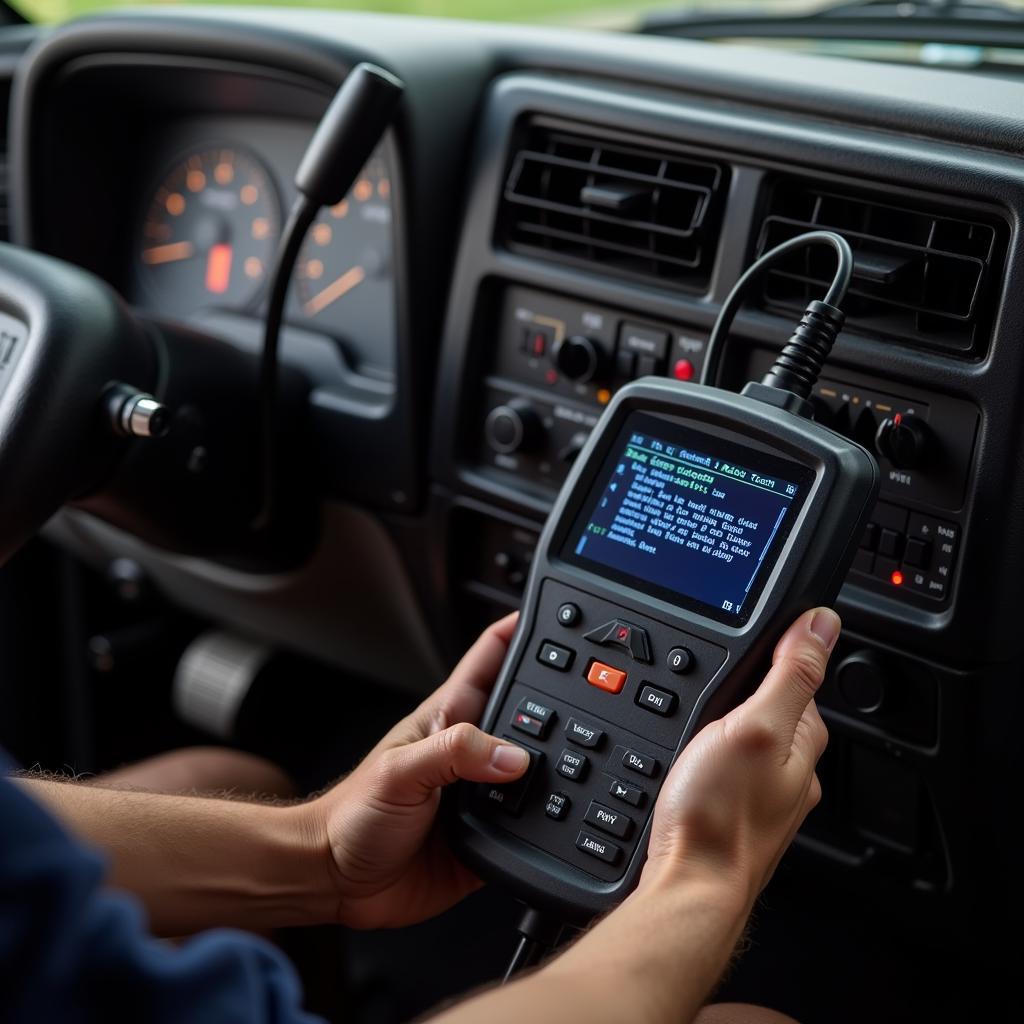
<point x="922" y="276"/>
<point x="639" y="210"/>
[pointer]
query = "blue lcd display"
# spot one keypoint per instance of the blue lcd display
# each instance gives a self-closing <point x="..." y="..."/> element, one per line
<point x="689" y="516"/>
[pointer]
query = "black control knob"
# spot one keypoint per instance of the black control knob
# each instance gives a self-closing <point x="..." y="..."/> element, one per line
<point x="514" y="427"/>
<point x="861" y="680"/>
<point x="904" y="440"/>
<point x="579" y="358"/>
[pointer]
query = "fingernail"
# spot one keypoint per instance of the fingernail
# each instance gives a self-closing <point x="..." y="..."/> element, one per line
<point x="825" y="625"/>
<point x="509" y="759"/>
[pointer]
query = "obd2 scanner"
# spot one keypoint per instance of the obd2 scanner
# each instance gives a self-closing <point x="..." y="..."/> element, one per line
<point x="695" y="525"/>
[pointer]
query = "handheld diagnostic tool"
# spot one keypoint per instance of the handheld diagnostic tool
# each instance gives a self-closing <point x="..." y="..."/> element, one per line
<point x="694" y="527"/>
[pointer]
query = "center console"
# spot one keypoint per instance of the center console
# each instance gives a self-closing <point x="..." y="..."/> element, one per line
<point x="568" y="288"/>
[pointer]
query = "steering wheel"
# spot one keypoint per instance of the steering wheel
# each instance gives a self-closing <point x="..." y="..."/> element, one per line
<point x="66" y="343"/>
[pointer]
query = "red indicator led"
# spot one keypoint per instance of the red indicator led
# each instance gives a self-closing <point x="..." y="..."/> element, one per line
<point x="897" y="578"/>
<point x="683" y="369"/>
<point x="551" y="376"/>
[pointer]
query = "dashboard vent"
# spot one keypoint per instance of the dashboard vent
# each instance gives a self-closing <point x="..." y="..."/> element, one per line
<point x="638" y="210"/>
<point x="925" y="276"/>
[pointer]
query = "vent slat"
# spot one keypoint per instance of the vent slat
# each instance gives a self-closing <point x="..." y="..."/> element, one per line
<point x="922" y="274"/>
<point x="634" y="210"/>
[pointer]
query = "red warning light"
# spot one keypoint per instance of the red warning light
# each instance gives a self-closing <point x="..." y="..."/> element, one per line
<point x="683" y="369"/>
<point x="898" y="418"/>
<point x="897" y="578"/>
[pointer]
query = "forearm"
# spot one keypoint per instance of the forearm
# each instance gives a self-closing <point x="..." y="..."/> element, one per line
<point x="198" y="862"/>
<point x="655" y="960"/>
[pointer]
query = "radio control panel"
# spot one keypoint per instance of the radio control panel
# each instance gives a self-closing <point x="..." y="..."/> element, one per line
<point x="558" y="361"/>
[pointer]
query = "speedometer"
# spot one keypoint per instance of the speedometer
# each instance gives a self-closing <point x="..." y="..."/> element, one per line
<point x="210" y="231"/>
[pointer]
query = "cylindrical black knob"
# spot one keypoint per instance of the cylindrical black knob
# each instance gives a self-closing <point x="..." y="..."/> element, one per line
<point x="904" y="440"/>
<point x="861" y="681"/>
<point x="579" y="358"/>
<point x="514" y="427"/>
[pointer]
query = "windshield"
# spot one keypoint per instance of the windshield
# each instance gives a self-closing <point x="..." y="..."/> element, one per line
<point x="622" y="14"/>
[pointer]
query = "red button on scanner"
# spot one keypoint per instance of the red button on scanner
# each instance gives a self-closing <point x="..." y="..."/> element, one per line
<point x="604" y="677"/>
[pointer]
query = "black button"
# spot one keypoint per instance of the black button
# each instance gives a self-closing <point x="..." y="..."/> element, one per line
<point x="510" y="796"/>
<point x="658" y="701"/>
<point x="918" y="553"/>
<point x="536" y="710"/>
<point x="646" y="366"/>
<point x="598" y="847"/>
<point x="532" y="718"/>
<point x="625" y="635"/>
<point x="863" y="561"/>
<point x="637" y="762"/>
<point x="644" y="341"/>
<point x="569" y="614"/>
<point x="628" y="794"/>
<point x="869" y="538"/>
<point x="572" y="765"/>
<point x="615" y="823"/>
<point x="531" y="726"/>
<point x="679" y="660"/>
<point x="555" y="656"/>
<point x="889" y="543"/>
<point x="582" y="734"/>
<point x="624" y="363"/>
<point x="891" y="517"/>
<point x="557" y="806"/>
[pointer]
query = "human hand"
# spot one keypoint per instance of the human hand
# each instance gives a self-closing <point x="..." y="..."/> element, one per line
<point x="740" y="790"/>
<point x="389" y="864"/>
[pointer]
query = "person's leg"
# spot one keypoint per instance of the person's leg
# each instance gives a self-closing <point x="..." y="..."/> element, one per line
<point x="203" y="770"/>
<point x="740" y="1013"/>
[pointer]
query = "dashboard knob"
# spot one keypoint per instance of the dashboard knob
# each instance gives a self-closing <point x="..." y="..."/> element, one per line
<point x="904" y="440"/>
<point x="514" y="427"/>
<point x="579" y="358"/>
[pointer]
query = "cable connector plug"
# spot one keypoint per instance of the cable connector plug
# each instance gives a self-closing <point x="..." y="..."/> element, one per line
<point x="798" y="365"/>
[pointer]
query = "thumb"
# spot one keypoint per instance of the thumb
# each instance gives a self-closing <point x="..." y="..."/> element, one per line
<point x="411" y="773"/>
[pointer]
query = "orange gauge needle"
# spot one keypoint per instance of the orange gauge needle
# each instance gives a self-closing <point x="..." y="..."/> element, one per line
<point x="334" y="291"/>
<point x="168" y="253"/>
<point x="218" y="269"/>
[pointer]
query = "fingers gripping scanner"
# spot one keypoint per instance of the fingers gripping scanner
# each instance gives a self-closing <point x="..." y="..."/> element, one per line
<point x="694" y="527"/>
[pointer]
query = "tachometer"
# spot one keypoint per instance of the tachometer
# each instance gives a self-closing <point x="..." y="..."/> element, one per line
<point x="210" y="230"/>
<point x="348" y="251"/>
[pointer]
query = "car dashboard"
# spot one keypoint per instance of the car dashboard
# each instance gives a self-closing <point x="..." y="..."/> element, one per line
<point x="552" y="215"/>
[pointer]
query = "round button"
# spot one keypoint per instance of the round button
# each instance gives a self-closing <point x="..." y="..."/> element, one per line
<point x="569" y="614"/>
<point x="579" y="358"/>
<point x="680" y="660"/>
<point x="514" y="427"/>
<point x="862" y="683"/>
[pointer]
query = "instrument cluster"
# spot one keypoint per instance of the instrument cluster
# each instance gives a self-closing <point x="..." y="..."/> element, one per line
<point x="210" y="224"/>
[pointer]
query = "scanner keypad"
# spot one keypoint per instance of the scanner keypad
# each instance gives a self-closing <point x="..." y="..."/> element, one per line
<point x="600" y="749"/>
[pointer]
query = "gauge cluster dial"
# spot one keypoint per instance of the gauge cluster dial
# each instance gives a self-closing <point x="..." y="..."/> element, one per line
<point x="211" y="222"/>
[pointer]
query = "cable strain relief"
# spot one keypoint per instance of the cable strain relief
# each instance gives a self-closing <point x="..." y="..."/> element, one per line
<point x="798" y="365"/>
<point x="540" y="928"/>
